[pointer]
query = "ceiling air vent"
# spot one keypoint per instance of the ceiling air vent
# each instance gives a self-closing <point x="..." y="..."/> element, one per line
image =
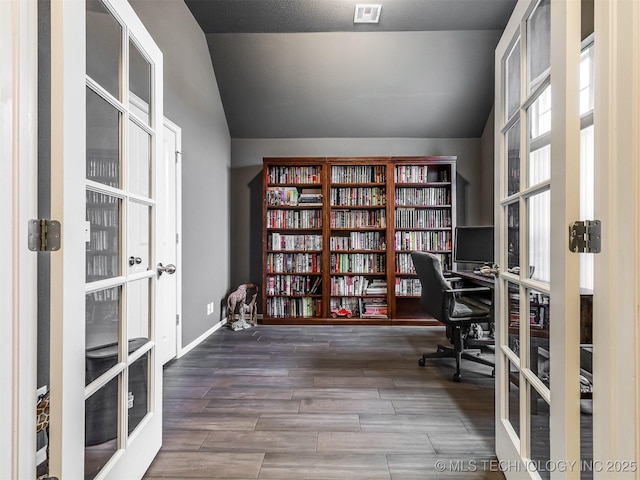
<point x="367" y="13"/>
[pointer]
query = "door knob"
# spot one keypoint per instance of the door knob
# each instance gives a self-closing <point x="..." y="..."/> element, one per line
<point x="135" y="260"/>
<point x="169" y="268"/>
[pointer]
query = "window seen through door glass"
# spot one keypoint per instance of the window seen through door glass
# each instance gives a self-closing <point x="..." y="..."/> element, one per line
<point x="540" y="236"/>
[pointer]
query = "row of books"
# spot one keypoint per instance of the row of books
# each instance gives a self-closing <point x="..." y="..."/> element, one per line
<point x="99" y="169"/>
<point x="294" y="262"/>
<point x="291" y="196"/>
<point x="282" y="307"/>
<point x="421" y="174"/>
<point x="293" y="284"/>
<point x="358" y="262"/>
<point x="423" y="196"/>
<point x="357" y="285"/>
<point x="421" y="240"/>
<point x="373" y="308"/>
<point x="358" y="197"/>
<point x="278" y="241"/>
<point x="421" y="218"/>
<point x="294" y="174"/>
<point x="294" y="219"/>
<point x="358" y="241"/>
<point x="102" y="266"/>
<point x="408" y="287"/>
<point x="358" y="174"/>
<point x="103" y="241"/>
<point x="404" y="264"/>
<point x="358" y="219"/>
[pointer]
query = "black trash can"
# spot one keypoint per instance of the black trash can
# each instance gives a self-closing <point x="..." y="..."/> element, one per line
<point x="101" y="408"/>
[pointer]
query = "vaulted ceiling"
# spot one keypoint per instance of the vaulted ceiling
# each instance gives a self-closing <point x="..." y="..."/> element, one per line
<point x="303" y="69"/>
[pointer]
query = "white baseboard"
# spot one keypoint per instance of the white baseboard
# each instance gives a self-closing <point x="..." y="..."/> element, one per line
<point x="201" y="338"/>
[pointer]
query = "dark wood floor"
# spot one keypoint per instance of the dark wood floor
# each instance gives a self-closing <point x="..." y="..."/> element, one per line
<point x="327" y="402"/>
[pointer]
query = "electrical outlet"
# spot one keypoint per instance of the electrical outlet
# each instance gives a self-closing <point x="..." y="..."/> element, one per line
<point x="209" y="308"/>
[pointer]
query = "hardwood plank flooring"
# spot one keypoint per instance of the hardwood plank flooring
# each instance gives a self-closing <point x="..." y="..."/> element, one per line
<point x="324" y="402"/>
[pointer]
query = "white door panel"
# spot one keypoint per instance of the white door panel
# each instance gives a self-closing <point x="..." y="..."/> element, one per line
<point x="106" y="142"/>
<point x="169" y="247"/>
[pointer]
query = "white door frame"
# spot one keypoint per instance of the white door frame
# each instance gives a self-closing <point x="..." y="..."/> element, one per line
<point x="18" y="204"/>
<point x="616" y="309"/>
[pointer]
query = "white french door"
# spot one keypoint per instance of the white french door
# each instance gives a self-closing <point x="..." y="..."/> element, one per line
<point x="537" y="196"/>
<point x="106" y="376"/>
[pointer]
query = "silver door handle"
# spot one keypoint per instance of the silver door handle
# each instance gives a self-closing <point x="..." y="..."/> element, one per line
<point x="170" y="269"/>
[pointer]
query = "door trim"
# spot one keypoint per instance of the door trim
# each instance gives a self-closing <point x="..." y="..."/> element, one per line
<point x="616" y="302"/>
<point x="178" y="179"/>
<point x="18" y="204"/>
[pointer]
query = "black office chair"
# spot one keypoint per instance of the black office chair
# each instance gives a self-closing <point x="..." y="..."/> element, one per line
<point x="457" y="308"/>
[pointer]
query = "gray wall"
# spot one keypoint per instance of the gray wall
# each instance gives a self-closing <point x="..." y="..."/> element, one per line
<point x="246" y="182"/>
<point x="487" y="172"/>
<point x="192" y="100"/>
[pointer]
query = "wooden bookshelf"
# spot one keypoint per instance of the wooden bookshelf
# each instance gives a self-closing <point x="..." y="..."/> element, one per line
<point x="338" y="233"/>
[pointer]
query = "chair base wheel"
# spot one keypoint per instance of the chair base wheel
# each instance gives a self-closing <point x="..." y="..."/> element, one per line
<point x="421" y="362"/>
<point x="457" y="377"/>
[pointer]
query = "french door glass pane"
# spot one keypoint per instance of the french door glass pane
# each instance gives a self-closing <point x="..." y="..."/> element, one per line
<point x="138" y="309"/>
<point x="513" y="383"/>
<point x="540" y="115"/>
<point x="513" y="235"/>
<point x="587" y="201"/>
<point x="139" y="83"/>
<point x="586" y="81"/>
<point x="513" y="80"/>
<point x="540" y="236"/>
<point x="101" y="428"/>
<point x="103" y="316"/>
<point x="540" y="438"/>
<point x="540" y="165"/>
<point x="513" y="308"/>
<point x="539" y="336"/>
<point x="103" y="141"/>
<point x="539" y="42"/>
<point x="104" y="39"/>
<point x="103" y="247"/>
<point x="138" y="391"/>
<point x="139" y="160"/>
<point x="139" y="237"/>
<point x="513" y="159"/>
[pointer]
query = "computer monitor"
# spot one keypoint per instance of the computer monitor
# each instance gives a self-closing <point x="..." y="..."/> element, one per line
<point x="474" y="245"/>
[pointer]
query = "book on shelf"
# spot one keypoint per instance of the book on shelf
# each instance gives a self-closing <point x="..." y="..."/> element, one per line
<point x="373" y="308"/>
<point x="316" y="284"/>
<point x="310" y="197"/>
<point x="377" y="287"/>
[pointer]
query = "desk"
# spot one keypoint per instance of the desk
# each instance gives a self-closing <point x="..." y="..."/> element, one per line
<point x="475" y="278"/>
<point x="539" y="337"/>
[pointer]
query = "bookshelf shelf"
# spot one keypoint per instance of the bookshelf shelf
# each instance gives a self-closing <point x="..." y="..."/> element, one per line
<point x="359" y="219"/>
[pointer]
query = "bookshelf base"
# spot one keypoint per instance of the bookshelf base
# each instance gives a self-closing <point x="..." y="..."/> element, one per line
<point x="350" y="321"/>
